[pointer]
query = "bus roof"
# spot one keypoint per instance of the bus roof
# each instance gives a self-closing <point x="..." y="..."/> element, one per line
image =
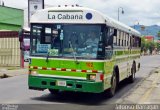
<point x="78" y="15"/>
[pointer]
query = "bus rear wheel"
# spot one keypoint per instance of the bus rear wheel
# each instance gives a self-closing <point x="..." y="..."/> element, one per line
<point x="132" y="77"/>
<point x="112" y="90"/>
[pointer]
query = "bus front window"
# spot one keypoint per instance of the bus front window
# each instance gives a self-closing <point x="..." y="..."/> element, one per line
<point x="66" y="40"/>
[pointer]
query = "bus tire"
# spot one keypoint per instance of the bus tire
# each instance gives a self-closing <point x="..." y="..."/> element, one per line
<point x="132" y="77"/>
<point x="112" y="90"/>
<point x="53" y="91"/>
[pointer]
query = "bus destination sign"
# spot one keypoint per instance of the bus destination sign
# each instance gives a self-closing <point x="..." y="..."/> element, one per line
<point x="65" y="15"/>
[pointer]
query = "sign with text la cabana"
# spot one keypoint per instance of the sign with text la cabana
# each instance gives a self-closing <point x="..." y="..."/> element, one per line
<point x="33" y="6"/>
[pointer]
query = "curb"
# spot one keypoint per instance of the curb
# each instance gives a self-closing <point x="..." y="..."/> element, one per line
<point x="140" y="93"/>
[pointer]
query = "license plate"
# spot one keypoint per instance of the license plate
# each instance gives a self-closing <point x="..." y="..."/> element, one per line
<point x="61" y="83"/>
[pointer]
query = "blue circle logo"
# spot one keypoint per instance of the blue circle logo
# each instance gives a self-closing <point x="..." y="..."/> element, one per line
<point x="89" y="16"/>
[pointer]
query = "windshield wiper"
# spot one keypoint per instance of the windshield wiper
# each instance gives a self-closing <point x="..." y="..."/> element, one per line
<point x="74" y="53"/>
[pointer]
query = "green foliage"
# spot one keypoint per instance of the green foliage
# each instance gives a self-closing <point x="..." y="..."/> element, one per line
<point x="148" y="45"/>
<point x="158" y="34"/>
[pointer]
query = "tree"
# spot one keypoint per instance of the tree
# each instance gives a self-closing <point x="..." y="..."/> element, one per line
<point x="158" y="34"/>
<point x="148" y="45"/>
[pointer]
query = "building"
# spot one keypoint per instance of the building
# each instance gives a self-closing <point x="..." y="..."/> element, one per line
<point x="11" y="21"/>
<point x="11" y="18"/>
<point x="149" y="38"/>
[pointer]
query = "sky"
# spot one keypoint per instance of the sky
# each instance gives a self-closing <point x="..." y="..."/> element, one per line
<point x="144" y="12"/>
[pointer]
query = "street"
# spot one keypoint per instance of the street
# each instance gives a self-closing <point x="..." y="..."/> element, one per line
<point x="14" y="90"/>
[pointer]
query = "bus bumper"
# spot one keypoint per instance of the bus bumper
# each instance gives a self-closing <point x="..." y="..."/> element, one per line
<point x="41" y="83"/>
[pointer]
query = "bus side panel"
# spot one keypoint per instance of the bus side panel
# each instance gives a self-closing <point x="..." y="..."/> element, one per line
<point x="122" y="57"/>
<point x="108" y="70"/>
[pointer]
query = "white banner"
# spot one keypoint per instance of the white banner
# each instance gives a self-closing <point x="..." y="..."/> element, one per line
<point x="33" y="6"/>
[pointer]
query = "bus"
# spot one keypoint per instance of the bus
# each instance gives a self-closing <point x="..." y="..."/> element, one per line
<point x="24" y="38"/>
<point x="62" y="60"/>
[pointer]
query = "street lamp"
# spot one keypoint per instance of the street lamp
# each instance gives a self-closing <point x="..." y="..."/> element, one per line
<point x="121" y="11"/>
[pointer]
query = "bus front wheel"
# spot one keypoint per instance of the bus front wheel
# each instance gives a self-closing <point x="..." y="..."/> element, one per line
<point x="112" y="90"/>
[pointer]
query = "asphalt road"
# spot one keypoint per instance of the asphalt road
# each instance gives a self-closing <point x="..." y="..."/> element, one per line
<point x="14" y="90"/>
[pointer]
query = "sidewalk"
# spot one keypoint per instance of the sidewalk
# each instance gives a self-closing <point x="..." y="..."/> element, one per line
<point x="13" y="71"/>
<point x="147" y="91"/>
<point x="152" y="95"/>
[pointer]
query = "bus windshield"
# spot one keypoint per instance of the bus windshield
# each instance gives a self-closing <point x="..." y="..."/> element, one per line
<point x="67" y="40"/>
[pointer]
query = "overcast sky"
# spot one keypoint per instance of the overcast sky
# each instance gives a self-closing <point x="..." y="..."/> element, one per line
<point x="146" y="12"/>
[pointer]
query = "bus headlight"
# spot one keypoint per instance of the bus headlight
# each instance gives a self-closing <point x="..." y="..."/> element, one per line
<point x="98" y="77"/>
<point x="92" y="77"/>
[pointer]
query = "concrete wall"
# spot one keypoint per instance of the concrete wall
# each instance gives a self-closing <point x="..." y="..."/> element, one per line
<point x="9" y="48"/>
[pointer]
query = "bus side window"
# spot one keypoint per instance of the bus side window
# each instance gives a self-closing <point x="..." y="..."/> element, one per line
<point x="115" y="40"/>
<point x="139" y="42"/>
<point x="132" y="41"/>
<point x="118" y="37"/>
<point x="115" y="37"/>
<point x="127" y="39"/>
<point x="106" y="35"/>
<point x="121" y="39"/>
<point x="112" y="34"/>
<point x="135" y="41"/>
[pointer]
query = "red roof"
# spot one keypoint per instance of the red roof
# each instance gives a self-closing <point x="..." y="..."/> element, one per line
<point x="149" y="38"/>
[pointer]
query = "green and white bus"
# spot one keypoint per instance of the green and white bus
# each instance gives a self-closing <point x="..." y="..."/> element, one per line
<point x="62" y="60"/>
